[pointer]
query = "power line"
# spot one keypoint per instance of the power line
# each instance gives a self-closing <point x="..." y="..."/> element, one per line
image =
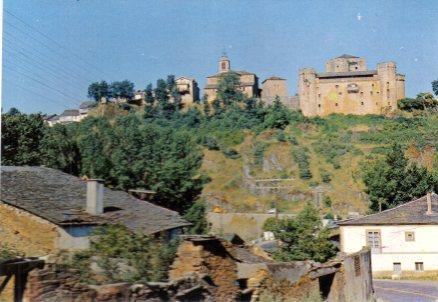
<point x="30" y="71"/>
<point x="41" y="67"/>
<point x="52" y="40"/>
<point x="42" y="56"/>
<point x="35" y="93"/>
<point x="38" y="81"/>
<point x="42" y="43"/>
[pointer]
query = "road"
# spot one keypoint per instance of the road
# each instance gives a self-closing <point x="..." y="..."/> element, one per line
<point x="406" y="291"/>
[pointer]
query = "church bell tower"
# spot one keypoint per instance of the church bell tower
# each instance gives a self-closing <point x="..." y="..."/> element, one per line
<point x="224" y="64"/>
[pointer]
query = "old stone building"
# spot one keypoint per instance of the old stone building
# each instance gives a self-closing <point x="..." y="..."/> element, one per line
<point x="249" y="82"/>
<point x="43" y="211"/>
<point x="188" y="89"/>
<point x="348" y="87"/>
<point x="274" y="87"/>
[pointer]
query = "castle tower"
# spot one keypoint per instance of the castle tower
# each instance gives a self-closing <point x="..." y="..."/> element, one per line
<point x="387" y="75"/>
<point x="224" y="64"/>
<point x="307" y="91"/>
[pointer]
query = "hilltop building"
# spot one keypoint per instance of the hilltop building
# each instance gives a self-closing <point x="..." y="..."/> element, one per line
<point x="401" y="239"/>
<point x="249" y="82"/>
<point x="348" y="87"/>
<point x="188" y="89"/>
<point x="45" y="210"/>
<point x="273" y="87"/>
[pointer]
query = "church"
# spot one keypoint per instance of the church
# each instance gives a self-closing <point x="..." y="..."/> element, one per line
<point x="249" y="82"/>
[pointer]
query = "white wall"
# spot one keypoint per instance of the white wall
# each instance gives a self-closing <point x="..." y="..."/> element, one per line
<point x="394" y="246"/>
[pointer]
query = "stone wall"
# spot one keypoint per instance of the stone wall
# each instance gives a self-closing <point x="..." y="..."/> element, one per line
<point x="207" y="256"/>
<point x="28" y="233"/>
<point x="54" y="284"/>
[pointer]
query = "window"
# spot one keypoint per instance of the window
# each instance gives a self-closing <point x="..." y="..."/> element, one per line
<point x="337" y="86"/>
<point x="361" y="103"/>
<point x="336" y="104"/>
<point x="409" y="236"/>
<point x="340" y="93"/>
<point x="356" y="260"/>
<point x="374" y="240"/>
<point x="396" y="268"/>
<point x="224" y="65"/>
<point x="371" y="93"/>
<point x="319" y="95"/>
<point x="419" y="267"/>
<point x="319" y="105"/>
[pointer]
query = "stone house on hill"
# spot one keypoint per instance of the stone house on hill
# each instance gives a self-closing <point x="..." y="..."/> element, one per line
<point x="402" y="239"/>
<point x="44" y="210"/>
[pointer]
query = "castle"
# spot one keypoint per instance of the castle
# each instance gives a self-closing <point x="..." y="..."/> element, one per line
<point x="348" y="87"/>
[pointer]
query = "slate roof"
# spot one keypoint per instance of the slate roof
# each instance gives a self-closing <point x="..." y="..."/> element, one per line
<point x="346" y="56"/>
<point x="70" y="112"/>
<point x="61" y="198"/>
<point x="346" y="74"/>
<point x="413" y="212"/>
<point x="87" y="104"/>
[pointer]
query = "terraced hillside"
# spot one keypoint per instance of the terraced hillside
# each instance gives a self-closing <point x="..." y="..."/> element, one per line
<point x="317" y="160"/>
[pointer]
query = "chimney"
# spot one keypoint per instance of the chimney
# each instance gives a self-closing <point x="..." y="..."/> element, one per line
<point x="429" y="204"/>
<point x="94" y="196"/>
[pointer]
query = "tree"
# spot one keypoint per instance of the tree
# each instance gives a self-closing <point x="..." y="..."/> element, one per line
<point x="435" y="87"/>
<point x="149" y="95"/>
<point x="196" y="215"/>
<point x="21" y="136"/>
<point x="59" y="149"/>
<point x="123" y="89"/>
<point x="227" y="90"/>
<point x="98" y="90"/>
<point x="423" y="101"/>
<point x="278" y="116"/>
<point x="164" y="106"/>
<point x="393" y="180"/>
<point x="302" y="238"/>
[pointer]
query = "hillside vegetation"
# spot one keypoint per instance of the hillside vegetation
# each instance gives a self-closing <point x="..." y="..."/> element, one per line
<point x="320" y="155"/>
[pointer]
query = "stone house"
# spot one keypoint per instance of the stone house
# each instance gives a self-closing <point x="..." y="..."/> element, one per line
<point x="348" y="87"/>
<point x="274" y="87"/>
<point x="402" y="239"/>
<point x="188" y="89"/>
<point x="44" y="210"/>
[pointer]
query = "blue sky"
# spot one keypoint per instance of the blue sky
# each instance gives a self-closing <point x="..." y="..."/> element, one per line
<point x="84" y="41"/>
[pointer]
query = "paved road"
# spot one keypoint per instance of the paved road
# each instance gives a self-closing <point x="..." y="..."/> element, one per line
<point x="406" y="291"/>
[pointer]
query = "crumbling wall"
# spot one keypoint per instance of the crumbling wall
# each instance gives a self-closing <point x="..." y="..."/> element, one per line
<point x="53" y="285"/>
<point x="208" y="255"/>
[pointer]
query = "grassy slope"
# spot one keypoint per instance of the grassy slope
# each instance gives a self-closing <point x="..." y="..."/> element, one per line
<point x="364" y="138"/>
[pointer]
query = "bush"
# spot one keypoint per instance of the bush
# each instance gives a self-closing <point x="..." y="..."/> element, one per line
<point x="211" y="143"/>
<point x="231" y="153"/>
<point x="302" y="159"/>
<point x="326" y="176"/>
<point x="124" y="256"/>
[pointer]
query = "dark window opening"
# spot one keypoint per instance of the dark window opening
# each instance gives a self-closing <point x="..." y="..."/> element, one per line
<point x="111" y="209"/>
<point x="325" y="284"/>
<point x="361" y="103"/>
<point x="319" y="105"/>
<point x="419" y="267"/>
<point x="336" y="104"/>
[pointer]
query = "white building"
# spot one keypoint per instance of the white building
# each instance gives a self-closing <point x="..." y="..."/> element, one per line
<point x="402" y="239"/>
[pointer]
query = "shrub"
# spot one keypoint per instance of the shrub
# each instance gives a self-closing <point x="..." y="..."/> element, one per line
<point x="231" y="153"/>
<point x="326" y="176"/>
<point x="302" y="159"/>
